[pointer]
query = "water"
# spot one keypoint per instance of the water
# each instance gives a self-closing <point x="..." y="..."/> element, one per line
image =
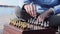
<point x="5" y="15"/>
<point x="6" y="10"/>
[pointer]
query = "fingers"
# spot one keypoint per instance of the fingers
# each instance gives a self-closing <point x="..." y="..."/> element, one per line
<point x="40" y="18"/>
<point x="26" y="8"/>
<point x="31" y="9"/>
<point x="34" y="10"/>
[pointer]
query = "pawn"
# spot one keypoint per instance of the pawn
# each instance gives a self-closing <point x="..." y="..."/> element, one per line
<point x="42" y="24"/>
<point x="39" y="24"/>
<point x="30" y="21"/>
<point x="45" y="24"/>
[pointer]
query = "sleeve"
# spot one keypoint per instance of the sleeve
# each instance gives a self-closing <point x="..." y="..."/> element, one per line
<point x="56" y="9"/>
<point x="22" y="2"/>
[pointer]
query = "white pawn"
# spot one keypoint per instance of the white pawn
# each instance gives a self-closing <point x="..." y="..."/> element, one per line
<point x="47" y="24"/>
<point x="42" y="24"/>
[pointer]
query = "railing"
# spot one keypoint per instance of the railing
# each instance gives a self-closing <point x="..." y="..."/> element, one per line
<point x="8" y="6"/>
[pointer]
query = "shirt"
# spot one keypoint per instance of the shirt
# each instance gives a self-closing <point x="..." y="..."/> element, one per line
<point x="43" y="5"/>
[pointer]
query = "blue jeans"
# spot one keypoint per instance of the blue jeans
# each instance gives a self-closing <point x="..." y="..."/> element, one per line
<point x="54" y="20"/>
<point x="57" y="9"/>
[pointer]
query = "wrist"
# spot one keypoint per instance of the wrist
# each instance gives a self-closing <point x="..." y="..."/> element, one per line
<point x="50" y="11"/>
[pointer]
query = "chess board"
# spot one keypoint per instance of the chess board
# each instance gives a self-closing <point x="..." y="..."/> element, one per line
<point x="30" y="24"/>
<point x="22" y="27"/>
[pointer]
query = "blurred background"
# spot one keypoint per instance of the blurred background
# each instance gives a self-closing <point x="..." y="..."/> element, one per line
<point x="7" y="11"/>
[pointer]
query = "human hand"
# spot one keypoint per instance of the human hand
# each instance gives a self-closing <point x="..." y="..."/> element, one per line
<point x="44" y="15"/>
<point x="30" y="9"/>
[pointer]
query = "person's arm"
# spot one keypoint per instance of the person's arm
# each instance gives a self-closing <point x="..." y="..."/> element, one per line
<point x="45" y="15"/>
<point x="54" y="10"/>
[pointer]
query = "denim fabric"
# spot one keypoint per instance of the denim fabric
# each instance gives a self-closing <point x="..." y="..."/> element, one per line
<point x="57" y="9"/>
<point x="43" y="5"/>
